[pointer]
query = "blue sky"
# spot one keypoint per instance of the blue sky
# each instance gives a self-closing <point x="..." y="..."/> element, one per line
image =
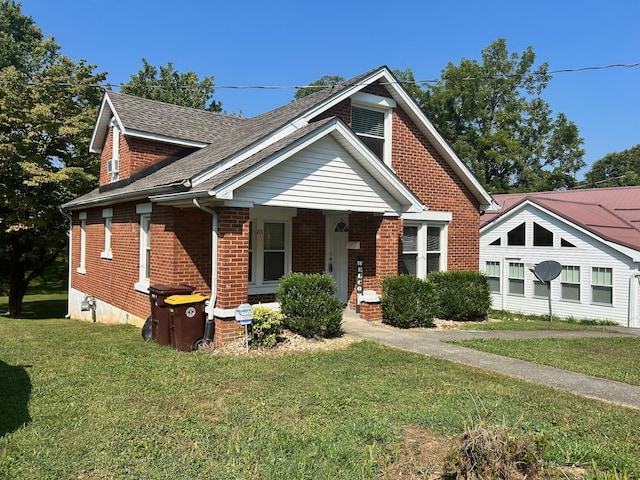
<point x="285" y="42"/>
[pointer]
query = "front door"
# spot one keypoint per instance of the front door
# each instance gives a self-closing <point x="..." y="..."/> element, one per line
<point x="337" y="257"/>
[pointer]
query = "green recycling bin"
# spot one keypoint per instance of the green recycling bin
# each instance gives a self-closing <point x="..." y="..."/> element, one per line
<point x="158" y="293"/>
<point x="187" y="319"/>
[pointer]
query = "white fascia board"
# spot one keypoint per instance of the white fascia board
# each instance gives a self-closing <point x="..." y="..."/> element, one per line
<point x="442" y="146"/>
<point x="629" y="252"/>
<point x="244" y="154"/>
<point x="369" y="161"/>
<point x="102" y="124"/>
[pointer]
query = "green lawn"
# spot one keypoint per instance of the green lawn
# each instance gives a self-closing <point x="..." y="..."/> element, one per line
<point x="613" y="358"/>
<point x="92" y="401"/>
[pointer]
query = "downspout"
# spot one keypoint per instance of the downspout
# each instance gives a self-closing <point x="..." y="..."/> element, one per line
<point x="214" y="256"/>
<point x="70" y="258"/>
<point x="634" y="282"/>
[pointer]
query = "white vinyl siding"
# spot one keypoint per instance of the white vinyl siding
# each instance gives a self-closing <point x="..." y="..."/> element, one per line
<point x="602" y="285"/>
<point x="572" y="247"/>
<point x="320" y="177"/>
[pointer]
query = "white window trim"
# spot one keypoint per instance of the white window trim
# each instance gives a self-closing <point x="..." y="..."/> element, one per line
<point x="421" y="260"/>
<point x="107" y="214"/>
<point x="83" y="243"/>
<point x="258" y="218"/>
<point x="115" y="150"/>
<point x="497" y="264"/>
<point x="579" y="284"/>
<point x="592" y="284"/>
<point x="520" y="279"/>
<point x="380" y="104"/>
<point x="144" y="210"/>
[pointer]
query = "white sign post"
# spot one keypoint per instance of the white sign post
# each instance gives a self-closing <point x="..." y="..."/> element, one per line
<point x="244" y="316"/>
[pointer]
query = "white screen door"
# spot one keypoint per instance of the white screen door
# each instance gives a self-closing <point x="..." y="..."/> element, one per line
<point x="337" y="253"/>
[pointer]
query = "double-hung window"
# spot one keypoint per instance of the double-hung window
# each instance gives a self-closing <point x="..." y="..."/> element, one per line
<point x="107" y="214"/>
<point x="423" y="249"/>
<point x="516" y="278"/>
<point x="144" y="262"/>
<point x="492" y="270"/>
<point x="570" y="283"/>
<point x="602" y="285"/>
<point x="269" y="247"/>
<point x="83" y="243"/>
<point x="371" y="122"/>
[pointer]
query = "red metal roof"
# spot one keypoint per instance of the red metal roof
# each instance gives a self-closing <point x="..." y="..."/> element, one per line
<point x="610" y="213"/>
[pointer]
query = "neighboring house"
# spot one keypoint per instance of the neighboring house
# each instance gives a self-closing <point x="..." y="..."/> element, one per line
<point x="594" y="235"/>
<point x="229" y="205"/>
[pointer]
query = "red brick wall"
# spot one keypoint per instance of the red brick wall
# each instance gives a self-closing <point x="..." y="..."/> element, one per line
<point x="135" y="155"/>
<point x="308" y="241"/>
<point x="173" y="233"/>
<point x="233" y="257"/>
<point x="426" y="173"/>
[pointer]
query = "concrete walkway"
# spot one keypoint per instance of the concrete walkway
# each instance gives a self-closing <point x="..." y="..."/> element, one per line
<point x="433" y="343"/>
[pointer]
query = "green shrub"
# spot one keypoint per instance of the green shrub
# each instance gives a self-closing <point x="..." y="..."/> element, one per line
<point x="265" y="327"/>
<point x="408" y="302"/>
<point x="462" y="295"/>
<point x="310" y="305"/>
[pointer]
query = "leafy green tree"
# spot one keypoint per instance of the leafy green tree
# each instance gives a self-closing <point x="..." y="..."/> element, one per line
<point x="321" y="83"/>
<point x="48" y="104"/>
<point x="169" y="86"/>
<point x="493" y="116"/>
<point x="616" y="169"/>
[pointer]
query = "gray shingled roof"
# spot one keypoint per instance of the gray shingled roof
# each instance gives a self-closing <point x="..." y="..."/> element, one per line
<point x="227" y="136"/>
<point x="173" y="121"/>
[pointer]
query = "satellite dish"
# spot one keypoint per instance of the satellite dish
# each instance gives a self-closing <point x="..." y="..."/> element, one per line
<point x="547" y="270"/>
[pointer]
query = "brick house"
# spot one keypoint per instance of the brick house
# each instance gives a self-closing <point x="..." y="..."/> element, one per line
<point x="229" y="205"/>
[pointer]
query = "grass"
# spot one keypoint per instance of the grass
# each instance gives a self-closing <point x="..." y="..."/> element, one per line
<point x="516" y="321"/>
<point x="93" y="401"/>
<point x="615" y="358"/>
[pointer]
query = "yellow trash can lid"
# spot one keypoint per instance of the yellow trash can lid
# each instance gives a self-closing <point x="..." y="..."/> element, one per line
<point x="184" y="299"/>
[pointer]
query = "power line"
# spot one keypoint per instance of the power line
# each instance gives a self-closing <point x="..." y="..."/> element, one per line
<point x="109" y="86"/>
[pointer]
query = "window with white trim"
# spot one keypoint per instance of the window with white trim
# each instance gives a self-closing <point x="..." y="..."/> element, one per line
<point x="113" y="164"/>
<point x="516" y="278"/>
<point x="539" y="288"/>
<point x="602" y="285"/>
<point x="371" y="122"/>
<point x="83" y="242"/>
<point x="144" y="255"/>
<point x="422" y="249"/>
<point x="107" y="214"/>
<point x="570" y="283"/>
<point x="269" y="247"/>
<point x="492" y="271"/>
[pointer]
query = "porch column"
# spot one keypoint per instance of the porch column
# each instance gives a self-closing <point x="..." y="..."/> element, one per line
<point x="233" y="267"/>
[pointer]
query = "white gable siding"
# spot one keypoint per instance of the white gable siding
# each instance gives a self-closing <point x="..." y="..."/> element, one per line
<point x="323" y="176"/>
<point x="588" y="253"/>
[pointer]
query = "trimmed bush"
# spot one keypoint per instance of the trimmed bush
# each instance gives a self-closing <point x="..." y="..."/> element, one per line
<point x="265" y="327"/>
<point x="463" y="295"/>
<point x="408" y="302"/>
<point x="310" y="305"/>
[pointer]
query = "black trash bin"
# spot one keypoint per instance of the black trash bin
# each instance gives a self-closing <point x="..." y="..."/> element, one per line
<point x="187" y="318"/>
<point x="160" y="325"/>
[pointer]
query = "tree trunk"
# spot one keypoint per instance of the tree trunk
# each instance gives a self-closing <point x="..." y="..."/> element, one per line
<point x="17" y="289"/>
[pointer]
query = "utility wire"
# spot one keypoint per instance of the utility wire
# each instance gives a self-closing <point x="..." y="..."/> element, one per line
<point x="109" y="86"/>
